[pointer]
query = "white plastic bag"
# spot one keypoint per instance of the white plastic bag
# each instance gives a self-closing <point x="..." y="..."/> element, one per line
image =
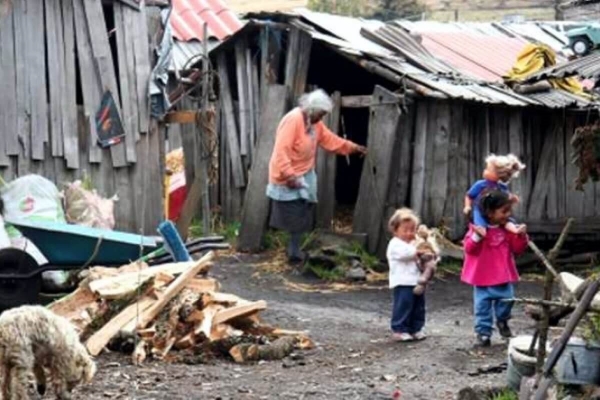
<point x="88" y="208"/>
<point x="32" y="197"/>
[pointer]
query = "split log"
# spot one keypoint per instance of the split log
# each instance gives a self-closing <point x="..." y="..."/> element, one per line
<point x="277" y="350"/>
<point x="139" y="354"/>
<point x="239" y="311"/>
<point x="204" y="285"/>
<point x="208" y="316"/>
<point x="173" y="290"/>
<point x="80" y="307"/>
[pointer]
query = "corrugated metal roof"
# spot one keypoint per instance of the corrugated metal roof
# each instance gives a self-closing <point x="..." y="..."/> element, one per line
<point x="188" y="18"/>
<point x="184" y="52"/>
<point x="587" y="67"/>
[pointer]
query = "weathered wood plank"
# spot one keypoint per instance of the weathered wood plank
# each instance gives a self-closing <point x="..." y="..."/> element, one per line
<point x="539" y="195"/>
<point x="8" y="104"/>
<point x="269" y="59"/>
<point x="297" y="61"/>
<point x="420" y="147"/>
<point x="551" y="196"/>
<point x="454" y="192"/>
<point x="561" y="173"/>
<point x="256" y="105"/>
<point x="519" y="186"/>
<point x="427" y="212"/>
<point x="103" y="62"/>
<point x="243" y="98"/>
<point x="237" y="170"/>
<point x="253" y="127"/>
<point x="69" y="90"/>
<point x="374" y="182"/>
<point x="574" y="197"/>
<point x="56" y="68"/>
<point x="88" y="76"/>
<point x="438" y="185"/>
<point x="127" y="78"/>
<point x="256" y="204"/>
<point x="36" y="63"/>
<point x="143" y="67"/>
<point x="462" y="170"/>
<point x="21" y="26"/>
<point x="326" y="167"/>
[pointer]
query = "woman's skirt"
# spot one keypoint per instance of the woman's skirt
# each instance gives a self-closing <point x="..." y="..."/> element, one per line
<point x="295" y="216"/>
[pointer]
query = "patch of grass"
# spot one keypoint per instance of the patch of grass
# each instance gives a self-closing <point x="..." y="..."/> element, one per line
<point x="450" y="267"/>
<point x="196" y="230"/>
<point x="505" y="395"/>
<point x="275" y="240"/>
<point x="368" y="260"/>
<point x="324" y="273"/>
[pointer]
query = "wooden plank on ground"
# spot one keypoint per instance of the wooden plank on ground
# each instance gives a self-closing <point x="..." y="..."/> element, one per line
<point x="233" y="146"/>
<point x="420" y="147"/>
<point x="90" y="82"/>
<point x="242" y="310"/>
<point x="56" y="69"/>
<point x="103" y="63"/>
<point x="326" y="168"/>
<point x="69" y="90"/>
<point x="143" y="67"/>
<point x="244" y="98"/>
<point x="127" y="78"/>
<point x="438" y="185"/>
<point x="256" y="204"/>
<point x="374" y="182"/>
<point x="539" y="194"/>
<point x="297" y="61"/>
<point x="8" y="103"/>
<point x="36" y="63"/>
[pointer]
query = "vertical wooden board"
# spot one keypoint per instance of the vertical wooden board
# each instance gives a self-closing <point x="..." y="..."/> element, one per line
<point x="297" y="61"/>
<point x="88" y="76"/>
<point x="539" y="196"/>
<point x="127" y="78"/>
<point x="375" y="178"/>
<point x="255" y="90"/>
<point x="69" y="89"/>
<point x="427" y="213"/>
<point x="250" y="100"/>
<point x="142" y="187"/>
<point x="462" y="171"/>
<point x="501" y="129"/>
<point x="231" y="129"/>
<point x="56" y="69"/>
<point x="574" y="197"/>
<point x="23" y="99"/>
<point x="325" y="169"/>
<point x="420" y="148"/>
<point x="143" y="68"/>
<point x="103" y="64"/>
<point x="406" y="134"/>
<point x="255" y="210"/>
<point x="269" y="59"/>
<point x="454" y="192"/>
<point x="552" y="195"/>
<point x="518" y="186"/>
<point x="438" y="185"/>
<point x="561" y="173"/>
<point x="243" y="97"/>
<point x="36" y="63"/>
<point x="174" y="135"/>
<point x="8" y="115"/>
<point x="125" y="213"/>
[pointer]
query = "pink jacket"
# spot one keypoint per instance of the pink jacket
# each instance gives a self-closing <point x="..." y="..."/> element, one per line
<point x="490" y="261"/>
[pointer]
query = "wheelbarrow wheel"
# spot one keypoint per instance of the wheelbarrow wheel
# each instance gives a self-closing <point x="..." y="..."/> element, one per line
<point x="16" y="292"/>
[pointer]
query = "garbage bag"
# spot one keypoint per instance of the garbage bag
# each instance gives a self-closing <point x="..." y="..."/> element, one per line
<point x="88" y="208"/>
<point x="32" y="197"/>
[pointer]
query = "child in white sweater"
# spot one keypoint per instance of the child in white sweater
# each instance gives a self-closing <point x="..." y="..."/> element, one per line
<point x="408" y="310"/>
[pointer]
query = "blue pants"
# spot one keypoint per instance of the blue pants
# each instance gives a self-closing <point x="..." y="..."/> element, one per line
<point x="408" y="310"/>
<point x="487" y="303"/>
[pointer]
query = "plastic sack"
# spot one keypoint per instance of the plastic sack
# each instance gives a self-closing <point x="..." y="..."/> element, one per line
<point x="88" y="208"/>
<point x="32" y="197"/>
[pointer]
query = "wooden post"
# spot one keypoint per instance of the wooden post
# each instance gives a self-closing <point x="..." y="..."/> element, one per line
<point x="204" y="159"/>
<point x="297" y="61"/>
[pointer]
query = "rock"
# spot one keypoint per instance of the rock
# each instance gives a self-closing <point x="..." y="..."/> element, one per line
<point x="356" y="274"/>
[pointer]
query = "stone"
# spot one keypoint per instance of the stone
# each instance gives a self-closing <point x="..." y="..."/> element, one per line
<point x="356" y="274"/>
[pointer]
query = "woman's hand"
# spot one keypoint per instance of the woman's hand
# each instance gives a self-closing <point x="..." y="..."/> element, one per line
<point x="362" y="150"/>
<point x="293" y="183"/>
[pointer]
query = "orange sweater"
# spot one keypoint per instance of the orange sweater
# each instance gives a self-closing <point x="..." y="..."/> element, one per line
<point x="295" y="150"/>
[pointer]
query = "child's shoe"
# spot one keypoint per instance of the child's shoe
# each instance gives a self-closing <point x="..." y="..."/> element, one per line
<point x="420" y="335"/>
<point x="483" y="341"/>
<point x="504" y="329"/>
<point x="402" y="337"/>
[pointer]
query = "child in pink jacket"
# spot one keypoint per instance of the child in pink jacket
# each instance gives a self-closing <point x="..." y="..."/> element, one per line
<point x="490" y="266"/>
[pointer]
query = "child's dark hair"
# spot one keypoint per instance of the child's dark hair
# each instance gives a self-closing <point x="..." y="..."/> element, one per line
<point x="493" y="200"/>
<point x="1" y="206"/>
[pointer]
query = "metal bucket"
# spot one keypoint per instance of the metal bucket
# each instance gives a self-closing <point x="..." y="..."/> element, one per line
<point x="520" y="364"/>
<point x="579" y="364"/>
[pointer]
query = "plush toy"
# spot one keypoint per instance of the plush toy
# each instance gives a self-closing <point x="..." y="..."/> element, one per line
<point x="499" y="171"/>
<point x="428" y="254"/>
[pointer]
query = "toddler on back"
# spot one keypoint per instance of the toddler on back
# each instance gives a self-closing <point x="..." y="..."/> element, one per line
<point x="408" y="309"/>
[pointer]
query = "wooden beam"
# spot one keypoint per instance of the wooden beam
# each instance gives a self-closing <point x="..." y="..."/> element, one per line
<point x="256" y="205"/>
<point x="242" y="310"/>
<point x="181" y="117"/>
<point x="365" y="101"/>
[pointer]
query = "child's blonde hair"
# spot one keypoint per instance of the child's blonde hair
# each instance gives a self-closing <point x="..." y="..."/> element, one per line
<point x="508" y="166"/>
<point x="400" y="216"/>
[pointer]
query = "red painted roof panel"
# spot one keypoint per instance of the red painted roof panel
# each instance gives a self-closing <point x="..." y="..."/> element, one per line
<point x="188" y="18"/>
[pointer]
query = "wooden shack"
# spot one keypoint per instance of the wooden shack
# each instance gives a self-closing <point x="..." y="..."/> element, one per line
<point x="427" y="133"/>
<point x="57" y="60"/>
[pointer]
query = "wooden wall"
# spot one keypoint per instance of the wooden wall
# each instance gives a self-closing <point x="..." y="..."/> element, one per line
<point x="580" y="12"/>
<point x="56" y="60"/>
<point x="447" y="144"/>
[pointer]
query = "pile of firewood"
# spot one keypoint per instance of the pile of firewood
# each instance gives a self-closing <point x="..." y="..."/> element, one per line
<point x="149" y="311"/>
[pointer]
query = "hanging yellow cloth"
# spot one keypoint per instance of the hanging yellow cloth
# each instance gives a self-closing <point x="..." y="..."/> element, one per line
<point x="535" y="57"/>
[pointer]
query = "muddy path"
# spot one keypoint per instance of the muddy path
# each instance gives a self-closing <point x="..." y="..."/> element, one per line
<point x="353" y="360"/>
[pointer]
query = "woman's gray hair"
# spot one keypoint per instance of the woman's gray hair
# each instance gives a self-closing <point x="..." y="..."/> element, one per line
<point x="316" y="101"/>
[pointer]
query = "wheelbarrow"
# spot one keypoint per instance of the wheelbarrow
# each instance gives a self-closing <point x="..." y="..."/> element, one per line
<point x="72" y="247"/>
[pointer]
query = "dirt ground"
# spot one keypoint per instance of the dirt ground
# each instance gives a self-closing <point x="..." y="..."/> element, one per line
<point x="354" y="358"/>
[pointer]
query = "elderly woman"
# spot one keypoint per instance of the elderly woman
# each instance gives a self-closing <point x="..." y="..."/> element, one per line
<point x="292" y="179"/>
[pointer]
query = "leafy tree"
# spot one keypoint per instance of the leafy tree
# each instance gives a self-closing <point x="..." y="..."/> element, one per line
<point x="384" y="10"/>
<point x="350" y="8"/>
<point x="398" y="9"/>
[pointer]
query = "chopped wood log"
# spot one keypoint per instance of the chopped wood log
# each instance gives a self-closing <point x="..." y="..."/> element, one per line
<point x="277" y="350"/>
<point x="185" y="342"/>
<point x="173" y="290"/>
<point x="125" y="281"/>
<point x="139" y="354"/>
<point x="159" y="352"/>
<point x="205" y="285"/>
<point x="223" y="331"/>
<point x="208" y="316"/>
<point x="98" y="340"/>
<point x="147" y="334"/>
<point x="239" y="311"/>
<point x="286" y="332"/>
<point x="80" y="307"/>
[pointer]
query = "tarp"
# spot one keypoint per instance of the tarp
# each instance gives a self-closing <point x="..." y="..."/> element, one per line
<point x="535" y="57"/>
